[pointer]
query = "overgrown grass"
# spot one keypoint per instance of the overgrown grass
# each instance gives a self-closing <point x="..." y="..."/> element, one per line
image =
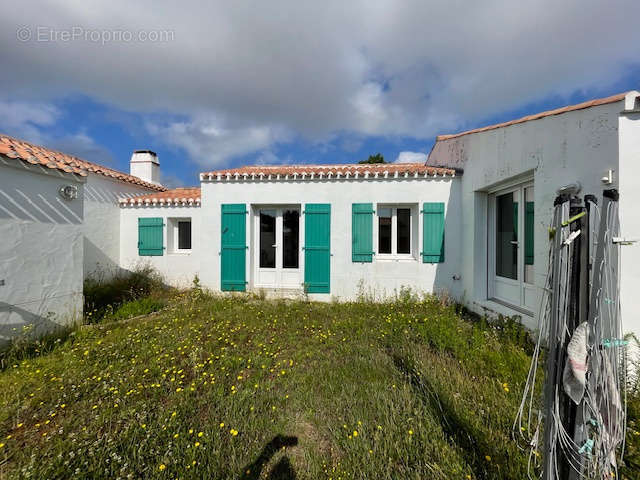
<point x="103" y="296"/>
<point x="140" y="306"/>
<point x="237" y="387"/>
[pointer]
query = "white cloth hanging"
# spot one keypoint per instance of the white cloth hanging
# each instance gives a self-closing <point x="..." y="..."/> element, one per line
<point x="575" y="367"/>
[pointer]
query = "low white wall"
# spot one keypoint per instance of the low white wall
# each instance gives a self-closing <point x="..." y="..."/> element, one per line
<point x="40" y="249"/>
<point x="178" y="269"/>
<point x="102" y="223"/>
<point x="553" y="151"/>
<point x="381" y="277"/>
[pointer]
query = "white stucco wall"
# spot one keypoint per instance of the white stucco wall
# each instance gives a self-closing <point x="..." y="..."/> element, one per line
<point x="40" y="249"/>
<point x="102" y="223"/>
<point x="629" y="180"/>
<point x="381" y="278"/>
<point x="178" y="269"/>
<point x="554" y="151"/>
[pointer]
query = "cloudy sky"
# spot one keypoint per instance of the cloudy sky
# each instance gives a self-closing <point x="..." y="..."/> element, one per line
<point x="215" y="84"/>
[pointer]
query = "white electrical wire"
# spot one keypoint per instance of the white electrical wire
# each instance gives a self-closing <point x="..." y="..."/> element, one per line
<point x="602" y="413"/>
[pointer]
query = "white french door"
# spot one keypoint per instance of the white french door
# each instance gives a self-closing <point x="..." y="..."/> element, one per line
<point x="277" y="247"/>
<point x="511" y="269"/>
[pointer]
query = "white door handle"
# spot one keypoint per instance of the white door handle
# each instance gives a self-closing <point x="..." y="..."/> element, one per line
<point x="513" y="242"/>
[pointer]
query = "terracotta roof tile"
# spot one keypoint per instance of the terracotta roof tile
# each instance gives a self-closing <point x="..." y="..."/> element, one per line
<point x="177" y="196"/>
<point x="536" y="116"/>
<point x="282" y="172"/>
<point x="36" y="155"/>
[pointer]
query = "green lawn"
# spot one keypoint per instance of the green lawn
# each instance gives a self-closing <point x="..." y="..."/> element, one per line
<point x="237" y="387"/>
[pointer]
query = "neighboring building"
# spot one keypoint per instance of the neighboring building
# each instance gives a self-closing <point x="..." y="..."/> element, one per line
<point x="59" y="223"/>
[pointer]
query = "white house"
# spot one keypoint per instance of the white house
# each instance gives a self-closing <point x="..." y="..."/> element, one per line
<point x="470" y="223"/>
<point x="59" y="223"/>
<point x="339" y="231"/>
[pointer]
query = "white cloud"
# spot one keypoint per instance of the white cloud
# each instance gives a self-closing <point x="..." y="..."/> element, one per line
<point x="36" y="122"/>
<point x="411" y="157"/>
<point x="209" y="141"/>
<point x="26" y="119"/>
<point x="366" y="67"/>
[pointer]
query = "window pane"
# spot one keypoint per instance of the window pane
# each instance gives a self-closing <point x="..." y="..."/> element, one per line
<point x="529" y="225"/>
<point x="403" y="237"/>
<point x="506" y="237"/>
<point x="290" y="238"/>
<point x="184" y="235"/>
<point x="384" y="230"/>
<point x="267" y="239"/>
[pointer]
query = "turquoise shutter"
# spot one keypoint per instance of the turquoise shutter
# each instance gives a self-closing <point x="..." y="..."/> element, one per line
<point x="150" y="242"/>
<point x="433" y="232"/>
<point x="362" y="232"/>
<point x="528" y="233"/>
<point x="233" y="244"/>
<point x="317" y="242"/>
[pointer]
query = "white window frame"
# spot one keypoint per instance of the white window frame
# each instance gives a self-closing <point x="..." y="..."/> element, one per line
<point x="413" y="223"/>
<point x="175" y="235"/>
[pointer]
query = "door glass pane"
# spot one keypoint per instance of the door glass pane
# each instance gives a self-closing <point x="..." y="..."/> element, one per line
<point x="529" y="224"/>
<point x="267" y="239"/>
<point x="290" y="238"/>
<point x="384" y="230"/>
<point x="404" y="230"/>
<point x="184" y="235"/>
<point x="506" y="236"/>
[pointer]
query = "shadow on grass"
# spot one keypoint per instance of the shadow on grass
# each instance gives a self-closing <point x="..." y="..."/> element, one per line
<point x="281" y="470"/>
<point x="451" y="423"/>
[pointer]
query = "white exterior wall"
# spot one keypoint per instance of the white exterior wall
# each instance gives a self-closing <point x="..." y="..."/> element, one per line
<point x="553" y="151"/>
<point x="381" y="278"/>
<point x="629" y="175"/>
<point x="40" y="249"/>
<point x="102" y="223"/>
<point x="177" y="269"/>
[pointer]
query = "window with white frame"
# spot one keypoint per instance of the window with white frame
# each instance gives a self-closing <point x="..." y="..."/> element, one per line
<point x="179" y="235"/>
<point x="396" y="236"/>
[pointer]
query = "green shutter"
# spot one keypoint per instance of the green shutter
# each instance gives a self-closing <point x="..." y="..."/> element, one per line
<point x="433" y="232"/>
<point x="317" y="242"/>
<point x="528" y="233"/>
<point x="233" y="244"/>
<point x="150" y="242"/>
<point x="362" y="232"/>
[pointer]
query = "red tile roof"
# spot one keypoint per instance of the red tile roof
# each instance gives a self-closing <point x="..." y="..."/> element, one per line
<point x="536" y="116"/>
<point x="20" y="150"/>
<point x="283" y="172"/>
<point x="177" y="196"/>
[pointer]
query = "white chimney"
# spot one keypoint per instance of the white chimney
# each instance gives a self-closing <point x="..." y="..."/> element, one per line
<point x="145" y="166"/>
